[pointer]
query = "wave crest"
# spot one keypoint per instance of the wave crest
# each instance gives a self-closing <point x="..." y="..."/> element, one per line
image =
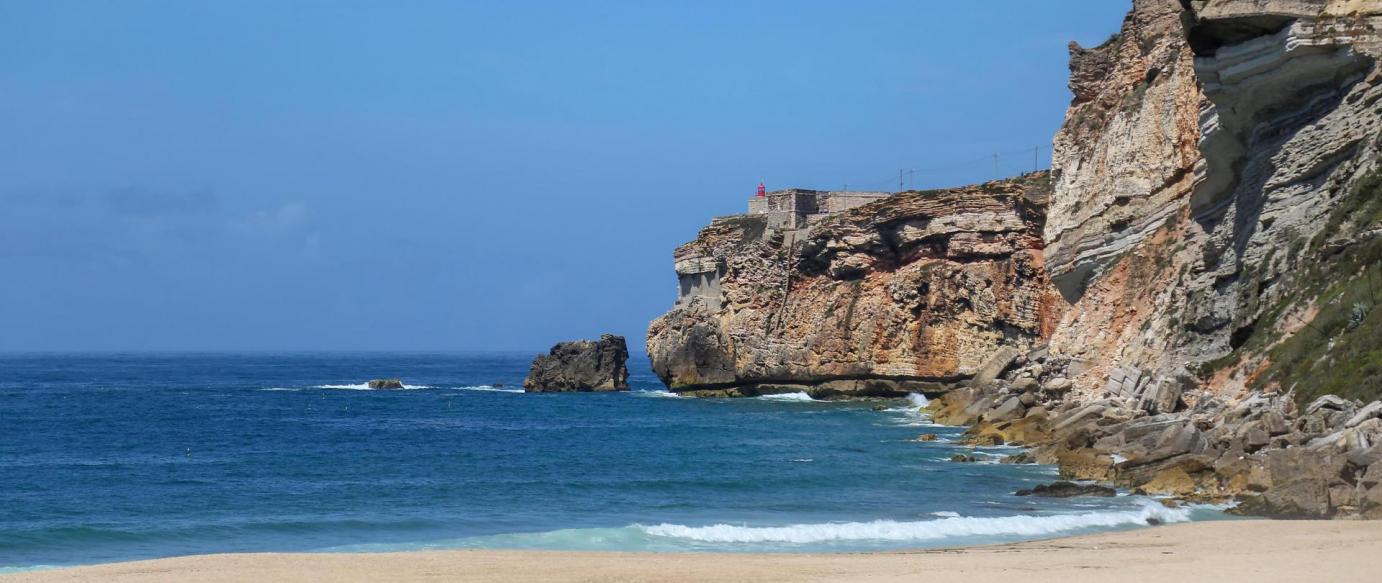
<point x="890" y="530"/>
<point x="489" y="389"/>
<point x="660" y="394"/>
<point x="366" y="387"/>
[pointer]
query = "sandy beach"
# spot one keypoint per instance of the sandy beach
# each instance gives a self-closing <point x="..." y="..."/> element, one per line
<point x="1225" y="552"/>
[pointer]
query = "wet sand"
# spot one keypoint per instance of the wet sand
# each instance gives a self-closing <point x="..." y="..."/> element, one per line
<point x="1221" y="552"/>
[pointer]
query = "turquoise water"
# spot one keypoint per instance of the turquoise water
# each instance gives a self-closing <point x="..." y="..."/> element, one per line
<point x="117" y="457"/>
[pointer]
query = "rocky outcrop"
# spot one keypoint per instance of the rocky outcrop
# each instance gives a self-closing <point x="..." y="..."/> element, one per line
<point x="385" y="384"/>
<point x="1276" y="459"/>
<point x="1206" y="272"/>
<point x="1201" y="179"/>
<point x="581" y="366"/>
<point x="1128" y="147"/>
<point x="912" y="293"/>
<point x="1063" y="489"/>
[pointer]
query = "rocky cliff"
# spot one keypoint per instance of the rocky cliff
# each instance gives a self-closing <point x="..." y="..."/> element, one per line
<point x="1212" y="228"/>
<point x="1201" y="279"/>
<point x="1209" y="191"/>
<point x="1216" y="227"/>
<point x="916" y="292"/>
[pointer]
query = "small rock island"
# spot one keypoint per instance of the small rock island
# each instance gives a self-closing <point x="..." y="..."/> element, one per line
<point x="581" y="366"/>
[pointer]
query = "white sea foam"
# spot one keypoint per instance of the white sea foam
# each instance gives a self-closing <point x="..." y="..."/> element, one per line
<point x="365" y="387"/>
<point x="913" y="416"/>
<point x="889" y="530"/>
<point x="946" y="514"/>
<point x="793" y="397"/>
<point x="917" y="422"/>
<point x="280" y="389"/>
<point x="489" y="389"/>
<point x="659" y="394"/>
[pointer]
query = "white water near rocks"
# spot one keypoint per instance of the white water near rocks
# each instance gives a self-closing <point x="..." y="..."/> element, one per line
<point x="924" y="530"/>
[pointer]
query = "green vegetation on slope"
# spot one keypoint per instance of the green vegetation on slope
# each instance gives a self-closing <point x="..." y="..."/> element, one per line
<point x="1340" y="350"/>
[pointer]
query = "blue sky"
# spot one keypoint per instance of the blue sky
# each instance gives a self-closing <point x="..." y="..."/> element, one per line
<point x="270" y="175"/>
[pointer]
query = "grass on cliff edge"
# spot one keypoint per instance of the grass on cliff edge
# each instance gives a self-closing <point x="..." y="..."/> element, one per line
<point x="1340" y="351"/>
<point x="1336" y="353"/>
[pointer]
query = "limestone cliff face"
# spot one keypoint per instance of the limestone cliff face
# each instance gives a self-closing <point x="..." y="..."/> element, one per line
<point x="911" y="293"/>
<point x="1198" y="181"/>
<point x="1128" y="147"/>
<point x="1214" y="216"/>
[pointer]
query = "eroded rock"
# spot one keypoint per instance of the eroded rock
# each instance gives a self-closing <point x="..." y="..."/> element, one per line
<point x="917" y="292"/>
<point x="1068" y="490"/>
<point x="581" y="366"/>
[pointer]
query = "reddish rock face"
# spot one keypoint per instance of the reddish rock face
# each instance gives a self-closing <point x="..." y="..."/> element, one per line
<point x="910" y="293"/>
<point x="1206" y="148"/>
<point x="1209" y="197"/>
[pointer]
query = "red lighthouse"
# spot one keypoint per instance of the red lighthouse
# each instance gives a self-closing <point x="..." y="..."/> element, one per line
<point x="762" y="191"/>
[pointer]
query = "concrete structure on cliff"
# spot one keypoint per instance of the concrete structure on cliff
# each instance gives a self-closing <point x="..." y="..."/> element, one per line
<point x="796" y="208"/>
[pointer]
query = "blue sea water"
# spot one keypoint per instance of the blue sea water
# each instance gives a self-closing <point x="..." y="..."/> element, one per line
<point x="114" y="457"/>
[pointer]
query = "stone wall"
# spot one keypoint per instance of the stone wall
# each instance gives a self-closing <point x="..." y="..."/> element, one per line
<point x="795" y="208"/>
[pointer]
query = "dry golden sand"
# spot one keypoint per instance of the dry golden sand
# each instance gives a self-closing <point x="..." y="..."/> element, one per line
<point x="1219" y="552"/>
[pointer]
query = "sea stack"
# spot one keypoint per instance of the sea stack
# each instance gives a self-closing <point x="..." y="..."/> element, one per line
<point x="581" y="366"/>
<point x="386" y="384"/>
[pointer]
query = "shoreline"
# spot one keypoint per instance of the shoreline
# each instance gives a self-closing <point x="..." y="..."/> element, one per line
<point x="1229" y="551"/>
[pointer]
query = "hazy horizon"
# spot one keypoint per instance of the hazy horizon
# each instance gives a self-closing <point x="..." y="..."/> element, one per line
<point x="457" y="177"/>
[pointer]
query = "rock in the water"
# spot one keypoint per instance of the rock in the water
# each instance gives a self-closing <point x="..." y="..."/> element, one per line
<point x="386" y="384"/>
<point x="1019" y="458"/>
<point x="963" y="459"/>
<point x="581" y="366"/>
<point x="1068" y="489"/>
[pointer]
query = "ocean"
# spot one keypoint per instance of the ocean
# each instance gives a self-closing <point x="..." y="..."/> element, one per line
<point x="112" y="457"/>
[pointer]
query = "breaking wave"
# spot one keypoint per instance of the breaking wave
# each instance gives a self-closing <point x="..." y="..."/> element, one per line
<point x="489" y="389"/>
<point x="918" y="400"/>
<point x="659" y="394"/>
<point x="365" y="387"/>
<point x="926" y="530"/>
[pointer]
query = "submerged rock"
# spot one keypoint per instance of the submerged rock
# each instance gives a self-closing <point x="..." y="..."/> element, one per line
<point x="1068" y="490"/>
<point x="386" y="384"/>
<point x="581" y="366"/>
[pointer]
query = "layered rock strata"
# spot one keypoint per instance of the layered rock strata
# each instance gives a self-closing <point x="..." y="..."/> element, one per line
<point x="1205" y="276"/>
<point x="581" y="366"/>
<point x="1201" y="185"/>
<point x="913" y="293"/>
<point x="1275" y="458"/>
<point x="1216" y="225"/>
